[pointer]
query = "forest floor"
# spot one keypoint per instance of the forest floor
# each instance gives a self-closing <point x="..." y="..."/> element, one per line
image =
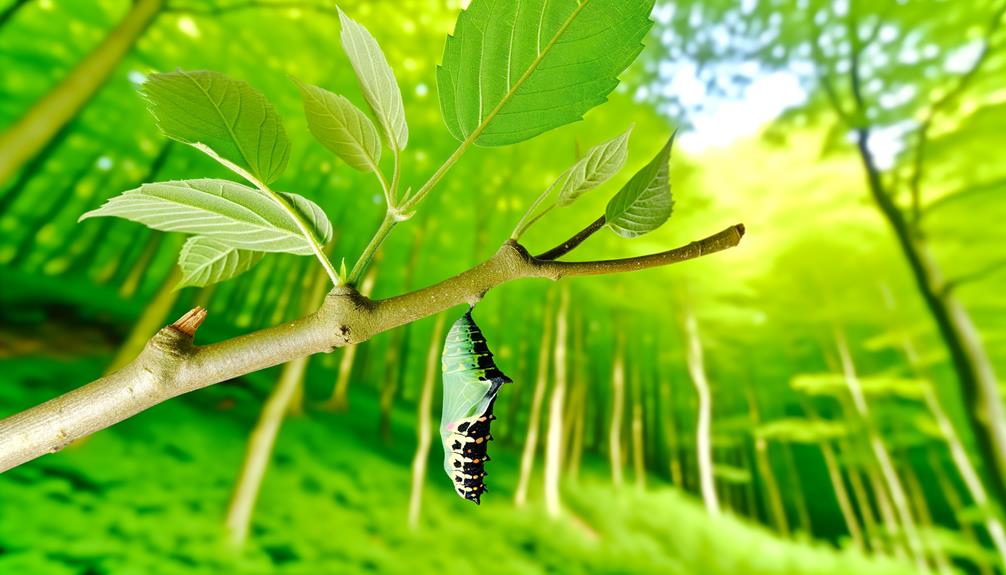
<point x="148" y="496"/>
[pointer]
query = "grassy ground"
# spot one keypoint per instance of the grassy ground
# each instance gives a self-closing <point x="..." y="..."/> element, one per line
<point x="148" y="497"/>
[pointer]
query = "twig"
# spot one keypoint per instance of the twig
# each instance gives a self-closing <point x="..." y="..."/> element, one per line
<point x="171" y="364"/>
<point x="570" y="244"/>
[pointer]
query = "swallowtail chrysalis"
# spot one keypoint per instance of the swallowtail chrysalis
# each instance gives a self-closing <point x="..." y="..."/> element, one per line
<point x="471" y="381"/>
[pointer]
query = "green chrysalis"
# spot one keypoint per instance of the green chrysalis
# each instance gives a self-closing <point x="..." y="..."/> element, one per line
<point x="471" y="381"/>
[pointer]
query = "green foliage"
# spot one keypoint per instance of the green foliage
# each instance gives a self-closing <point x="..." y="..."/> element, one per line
<point x="644" y="203"/>
<point x="834" y="384"/>
<point x="232" y="118"/>
<point x="816" y="256"/>
<point x="596" y="167"/>
<point x="510" y="72"/>
<point x="335" y="501"/>
<point x="206" y="261"/>
<point x="342" y="128"/>
<point x="800" y="430"/>
<point x="732" y="474"/>
<point x="376" y="79"/>
<point x="226" y="211"/>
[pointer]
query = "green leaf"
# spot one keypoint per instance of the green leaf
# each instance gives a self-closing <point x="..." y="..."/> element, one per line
<point x="242" y="217"/>
<point x="316" y="218"/>
<point x="342" y="127"/>
<point x="229" y="116"/>
<point x="377" y="79"/>
<point x="644" y="203"/>
<point x="598" y="165"/>
<point x="206" y="261"/>
<point x="513" y="70"/>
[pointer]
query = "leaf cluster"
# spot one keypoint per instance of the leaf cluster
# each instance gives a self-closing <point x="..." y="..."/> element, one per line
<point x="506" y="76"/>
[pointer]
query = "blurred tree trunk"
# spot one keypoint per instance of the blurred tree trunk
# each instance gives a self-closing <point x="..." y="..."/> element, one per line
<point x="554" y="435"/>
<point x="976" y="377"/>
<point x="578" y="404"/>
<point x="425" y="422"/>
<point x="842" y="495"/>
<point x="750" y="495"/>
<point x="703" y="433"/>
<point x="838" y="483"/>
<point x="617" y="410"/>
<point x="796" y="489"/>
<point x="263" y="436"/>
<point x="31" y="223"/>
<point x="959" y="454"/>
<point x="131" y="283"/>
<point x="247" y="308"/>
<point x="238" y="297"/>
<point x="517" y="397"/>
<point x="303" y="301"/>
<point x="43" y="121"/>
<point x="576" y="433"/>
<point x="398" y="347"/>
<point x="283" y="279"/>
<point x="877" y="542"/>
<point x="881" y="455"/>
<point x="339" y="400"/>
<point x="290" y="299"/>
<point x="33" y="168"/>
<point x="11" y="10"/>
<point x="968" y="473"/>
<point x="671" y="425"/>
<point x="917" y="495"/>
<point x="638" y="448"/>
<point x="763" y="460"/>
<point x="895" y="533"/>
<point x="956" y="504"/>
<point x="534" y="416"/>
<point x="155" y="312"/>
<point x="979" y="386"/>
<point x="82" y="254"/>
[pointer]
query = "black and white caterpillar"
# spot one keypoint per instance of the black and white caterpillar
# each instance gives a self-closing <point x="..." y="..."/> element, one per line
<point x="471" y="382"/>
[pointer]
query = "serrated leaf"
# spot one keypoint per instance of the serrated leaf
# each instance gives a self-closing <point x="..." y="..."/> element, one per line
<point x="226" y="211"/>
<point x="644" y="203"/>
<point x="597" y="166"/>
<point x="513" y="70"/>
<point x="206" y="261"/>
<point x="229" y="116"/>
<point x="342" y="128"/>
<point x="377" y="80"/>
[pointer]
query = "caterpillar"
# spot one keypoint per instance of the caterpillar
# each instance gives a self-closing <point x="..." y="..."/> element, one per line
<point x="471" y="382"/>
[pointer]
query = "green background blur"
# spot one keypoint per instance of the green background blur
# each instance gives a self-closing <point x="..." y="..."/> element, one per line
<point x="818" y="284"/>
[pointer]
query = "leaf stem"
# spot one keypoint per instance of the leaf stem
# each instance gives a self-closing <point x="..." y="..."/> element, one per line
<point x="525" y="223"/>
<point x="392" y="197"/>
<point x="391" y="218"/>
<point x="384" y="184"/>
<point x="410" y="205"/>
<point x="298" y="219"/>
<point x="401" y="213"/>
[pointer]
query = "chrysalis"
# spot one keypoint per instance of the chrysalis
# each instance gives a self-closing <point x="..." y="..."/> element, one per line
<point x="471" y="381"/>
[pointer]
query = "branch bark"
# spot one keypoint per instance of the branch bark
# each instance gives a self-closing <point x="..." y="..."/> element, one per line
<point x="171" y="365"/>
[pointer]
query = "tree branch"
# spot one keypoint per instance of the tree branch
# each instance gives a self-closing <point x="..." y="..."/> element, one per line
<point x="975" y="276"/>
<point x="922" y="135"/>
<point x="171" y="364"/>
<point x="570" y="244"/>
